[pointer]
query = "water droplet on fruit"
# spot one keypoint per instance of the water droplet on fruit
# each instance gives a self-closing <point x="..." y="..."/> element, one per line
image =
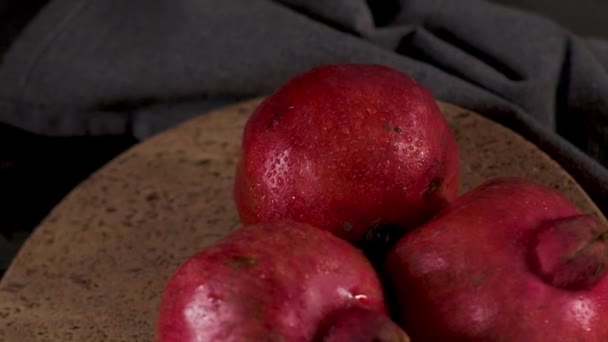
<point x="583" y="312"/>
<point x="198" y="309"/>
<point x="278" y="168"/>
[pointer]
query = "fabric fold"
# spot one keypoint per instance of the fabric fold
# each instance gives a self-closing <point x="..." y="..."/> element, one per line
<point x="139" y="67"/>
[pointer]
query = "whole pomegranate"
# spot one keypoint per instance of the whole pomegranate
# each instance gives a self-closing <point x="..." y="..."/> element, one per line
<point x="280" y="281"/>
<point x="509" y="261"/>
<point x="360" y="150"/>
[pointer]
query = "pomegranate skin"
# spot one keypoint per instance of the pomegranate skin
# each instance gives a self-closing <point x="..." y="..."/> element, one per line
<point x="270" y="282"/>
<point x="496" y="266"/>
<point x="347" y="148"/>
<point x="362" y="325"/>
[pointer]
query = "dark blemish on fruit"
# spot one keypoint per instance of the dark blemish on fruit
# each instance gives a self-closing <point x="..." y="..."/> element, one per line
<point x="274" y="119"/>
<point x="215" y="174"/>
<point x="203" y="162"/>
<point x="110" y="210"/>
<point x="348" y="227"/>
<point x="152" y="197"/>
<point x="242" y="261"/>
<point x="432" y="187"/>
<point x="479" y="278"/>
<point x="391" y="128"/>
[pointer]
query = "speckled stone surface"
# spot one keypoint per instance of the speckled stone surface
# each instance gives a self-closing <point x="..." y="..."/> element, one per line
<point x="94" y="270"/>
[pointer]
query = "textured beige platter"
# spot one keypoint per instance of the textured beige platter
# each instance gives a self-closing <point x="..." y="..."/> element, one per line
<point x="94" y="270"/>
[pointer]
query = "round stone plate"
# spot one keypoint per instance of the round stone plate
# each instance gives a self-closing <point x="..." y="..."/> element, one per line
<point x="94" y="270"/>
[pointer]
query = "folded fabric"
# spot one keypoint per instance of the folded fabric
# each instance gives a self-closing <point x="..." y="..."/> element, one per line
<point x="122" y="67"/>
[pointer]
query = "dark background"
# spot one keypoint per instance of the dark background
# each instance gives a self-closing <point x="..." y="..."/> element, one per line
<point x="584" y="17"/>
<point x="37" y="171"/>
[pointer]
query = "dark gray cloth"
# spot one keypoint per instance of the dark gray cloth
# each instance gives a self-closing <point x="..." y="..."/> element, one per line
<point x="138" y="66"/>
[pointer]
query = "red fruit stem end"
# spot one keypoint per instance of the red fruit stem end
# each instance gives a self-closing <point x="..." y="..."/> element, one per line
<point x="571" y="253"/>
